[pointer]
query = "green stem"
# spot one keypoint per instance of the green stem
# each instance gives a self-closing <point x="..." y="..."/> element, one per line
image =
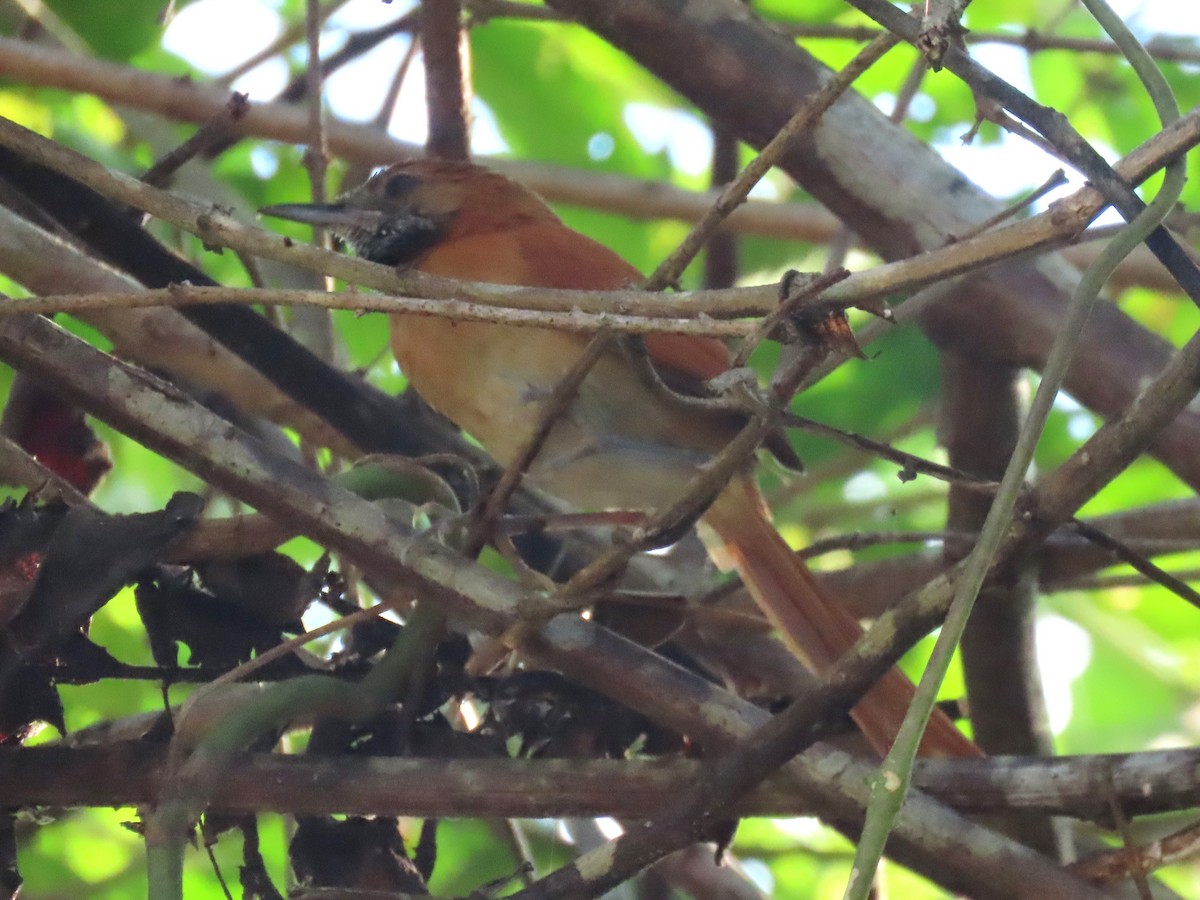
<point x="894" y="778"/>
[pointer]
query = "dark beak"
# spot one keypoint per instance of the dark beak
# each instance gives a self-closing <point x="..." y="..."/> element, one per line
<point x="337" y="216"/>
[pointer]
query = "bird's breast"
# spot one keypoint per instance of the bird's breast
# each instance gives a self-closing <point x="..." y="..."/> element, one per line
<point x="618" y="444"/>
<point x="491" y="380"/>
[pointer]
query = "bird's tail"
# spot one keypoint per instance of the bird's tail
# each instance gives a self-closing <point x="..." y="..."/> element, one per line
<point x="813" y="624"/>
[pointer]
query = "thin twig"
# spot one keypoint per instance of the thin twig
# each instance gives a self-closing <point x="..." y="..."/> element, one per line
<point x="580" y="322"/>
<point x="1108" y="582"/>
<point x="861" y="540"/>
<point x="290" y="35"/>
<point x="908" y="91"/>
<point x="1111" y="866"/>
<point x="1164" y="48"/>
<point x="215" y="130"/>
<point x="1056" y="180"/>
<point x="356" y="46"/>
<point x="910" y="464"/>
<point x="387" y="106"/>
<point x="291" y="645"/>
<point x="316" y="154"/>
<point x="735" y="193"/>
<point x="1137" y="561"/>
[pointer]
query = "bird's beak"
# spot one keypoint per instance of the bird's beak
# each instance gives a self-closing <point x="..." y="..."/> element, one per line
<point x="337" y="216"/>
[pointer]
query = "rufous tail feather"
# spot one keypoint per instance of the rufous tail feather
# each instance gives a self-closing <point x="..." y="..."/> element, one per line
<point x="813" y="624"/>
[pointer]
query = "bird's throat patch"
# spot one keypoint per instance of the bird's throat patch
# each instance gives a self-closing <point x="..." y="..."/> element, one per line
<point x="398" y="241"/>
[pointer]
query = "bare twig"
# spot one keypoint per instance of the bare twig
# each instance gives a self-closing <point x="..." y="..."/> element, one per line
<point x="290" y="35"/>
<point x="316" y="153"/>
<point x="910" y="464"/>
<point x="1108" y="582"/>
<point x="357" y="45"/>
<point x="1116" y="865"/>
<point x="502" y="313"/>
<point x="388" y="105"/>
<point x="1056" y="180"/>
<point x="1138" y="561"/>
<point x="1164" y="48"/>
<point x="735" y="193"/>
<point x="215" y="130"/>
<point x="291" y="645"/>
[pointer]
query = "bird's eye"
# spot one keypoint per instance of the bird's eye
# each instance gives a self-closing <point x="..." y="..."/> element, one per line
<point x="399" y="185"/>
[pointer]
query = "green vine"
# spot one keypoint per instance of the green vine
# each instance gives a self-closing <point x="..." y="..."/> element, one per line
<point x="894" y="778"/>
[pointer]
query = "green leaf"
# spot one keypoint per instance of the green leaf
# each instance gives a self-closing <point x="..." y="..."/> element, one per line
<point x="115" y="29"/>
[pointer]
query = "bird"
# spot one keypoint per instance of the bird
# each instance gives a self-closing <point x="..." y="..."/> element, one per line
<point x="621" y="443"/>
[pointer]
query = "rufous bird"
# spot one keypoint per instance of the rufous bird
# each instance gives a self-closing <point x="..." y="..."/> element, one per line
<point x="621" y="444"/>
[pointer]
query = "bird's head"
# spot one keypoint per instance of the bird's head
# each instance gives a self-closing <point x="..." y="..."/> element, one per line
<point x="405" y="210"/>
